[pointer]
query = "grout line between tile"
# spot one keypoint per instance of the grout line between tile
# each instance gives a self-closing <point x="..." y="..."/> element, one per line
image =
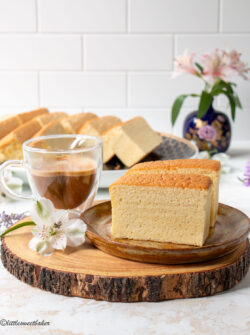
<point x="126" y="89"/>
<point x="82" y="53"/>
<point x="36" y="14"/>
<point x="127" y="14"/>
<point x="220" y="16"/>
<point x="38" y="89"/>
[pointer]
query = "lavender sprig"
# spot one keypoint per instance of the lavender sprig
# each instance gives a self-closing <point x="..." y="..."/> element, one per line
<point x="7" y="220"/>
<point x="246" y="178"/>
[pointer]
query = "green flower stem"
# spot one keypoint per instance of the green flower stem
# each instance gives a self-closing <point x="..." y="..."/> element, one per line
<point x="22" y="224"/>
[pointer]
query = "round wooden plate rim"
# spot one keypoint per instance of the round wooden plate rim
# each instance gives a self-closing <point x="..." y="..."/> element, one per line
<point x="241" y="249"/>
<point x="121" y="244"/>
<point x="88" y="272"/>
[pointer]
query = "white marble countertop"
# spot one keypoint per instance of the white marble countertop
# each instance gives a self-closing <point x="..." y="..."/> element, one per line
<point x="225" y="313"/>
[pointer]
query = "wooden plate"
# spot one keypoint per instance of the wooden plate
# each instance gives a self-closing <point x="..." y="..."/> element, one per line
<point x="230" y="231"/>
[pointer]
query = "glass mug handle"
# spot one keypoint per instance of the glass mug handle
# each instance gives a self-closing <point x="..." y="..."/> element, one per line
<point x="10" y="193"/>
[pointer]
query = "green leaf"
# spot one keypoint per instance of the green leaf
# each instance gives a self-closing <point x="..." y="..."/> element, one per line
<point x="17" y="226"/>
<point x="39" y="207"/>
<point x="237" y="101"/>
<point x="199" y="67"/>
<point x="177" y="107"/>
<point x="232" y="104"/>
<point x="205" y="102"/>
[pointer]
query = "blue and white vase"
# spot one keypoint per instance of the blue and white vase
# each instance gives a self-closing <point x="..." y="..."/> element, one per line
<point x="211" y="133"/>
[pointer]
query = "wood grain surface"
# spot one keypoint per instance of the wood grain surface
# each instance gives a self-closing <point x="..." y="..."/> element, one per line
<point x="89" y="273"/>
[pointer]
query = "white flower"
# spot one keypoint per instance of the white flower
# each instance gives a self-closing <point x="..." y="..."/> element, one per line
<point x="55" y="229"/>
<point x="224" y="160"/>
<point x="221" y="157"/>
<point x="203" y="155"/>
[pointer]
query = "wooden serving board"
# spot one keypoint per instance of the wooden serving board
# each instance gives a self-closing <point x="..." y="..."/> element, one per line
<point x="90" y="273"/>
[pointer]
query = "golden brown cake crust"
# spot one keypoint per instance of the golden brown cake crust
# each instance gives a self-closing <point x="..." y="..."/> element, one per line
<point x="165" y="180"/>
<point x="113" y="127"/>
<point x="179" y="163"/>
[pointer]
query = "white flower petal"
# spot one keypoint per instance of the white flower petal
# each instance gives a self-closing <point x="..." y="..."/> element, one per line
<point x="41" y="246"/>
<point x="221" y="157"/>
<point x="34" y="242"/>
<point x="76" y="239"/>
<point x="76" y="233"/>
<point x="203" y="155"/>
<point x="45" y="249"/>
<point x="42" y="212"/>
<point x="61" y="216"/>
<point x="77" y="224"/>
<point x="59" y="241"/>
<point x="225" y="169"/>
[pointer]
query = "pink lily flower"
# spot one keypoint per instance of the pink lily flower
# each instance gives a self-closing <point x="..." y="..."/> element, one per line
<point x="184" y="64"/>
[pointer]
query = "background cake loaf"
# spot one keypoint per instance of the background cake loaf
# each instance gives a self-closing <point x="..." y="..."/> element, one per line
<point x="130" y="141"/>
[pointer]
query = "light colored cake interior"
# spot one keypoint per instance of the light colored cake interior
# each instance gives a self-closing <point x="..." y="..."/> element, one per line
<point x="99" y="126"/>
<point x="162" y="208"/>
<point x="73" y="123"/>
<point x="109" y="139"/>
<point x="134" y="141"/>
<point x="204" y="167"/>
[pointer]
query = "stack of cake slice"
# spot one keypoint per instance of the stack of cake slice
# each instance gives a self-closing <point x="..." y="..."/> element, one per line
<point x="171" y="201"/>
<point x="66" y="125"/>
<point x="30" y="123"/>
<point x="130" y="141"/>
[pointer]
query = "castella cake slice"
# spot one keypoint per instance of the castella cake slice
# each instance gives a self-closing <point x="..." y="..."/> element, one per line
<point x="12" y="122"/>
<point x="134" y="140"/>
<point x="73" y="123"/>
<point x="11" y="144"/>
<point x="99" y="126"/>
<point x="206" y="167"/>
<point x="108" y="139"/>
<point x="166" y="208"/>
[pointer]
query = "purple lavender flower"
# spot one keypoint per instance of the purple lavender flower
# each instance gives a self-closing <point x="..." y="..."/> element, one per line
<point x="7" y="220"/>
<point x="246" y="177"/>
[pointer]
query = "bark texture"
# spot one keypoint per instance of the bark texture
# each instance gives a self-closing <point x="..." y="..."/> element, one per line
<point x="128" y="289"/>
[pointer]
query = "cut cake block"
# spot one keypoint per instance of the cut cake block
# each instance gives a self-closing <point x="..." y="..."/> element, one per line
<point x="28" y="116"/>
<point x="5" y="116"/>
<point x="134" y="140"/>
<point x="99" y="126"/>
<point x="73" y="123"/>
<point x="11" y="144"/>
<point x="12" y="122"/>
<point x="206" y="167"/>
<point x="66" y="125"/>
<point x="108" y="139"/>
<point x="166" y="208"/>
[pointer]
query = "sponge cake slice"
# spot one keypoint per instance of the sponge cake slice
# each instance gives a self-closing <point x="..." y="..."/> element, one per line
<point x="99" y="126"/>
<point x="11" y="144"/>
<point x="166" y="208"/>
<point x="134" y="140"/>
<point x="10" y="123"/>
<point x="205" y="167"/>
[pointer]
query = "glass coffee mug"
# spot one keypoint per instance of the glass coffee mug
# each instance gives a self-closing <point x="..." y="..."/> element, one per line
<point x="63" y="168"/>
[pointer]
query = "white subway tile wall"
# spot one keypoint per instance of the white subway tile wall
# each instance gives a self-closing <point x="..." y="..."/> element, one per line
<point x="115" y="56"/>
